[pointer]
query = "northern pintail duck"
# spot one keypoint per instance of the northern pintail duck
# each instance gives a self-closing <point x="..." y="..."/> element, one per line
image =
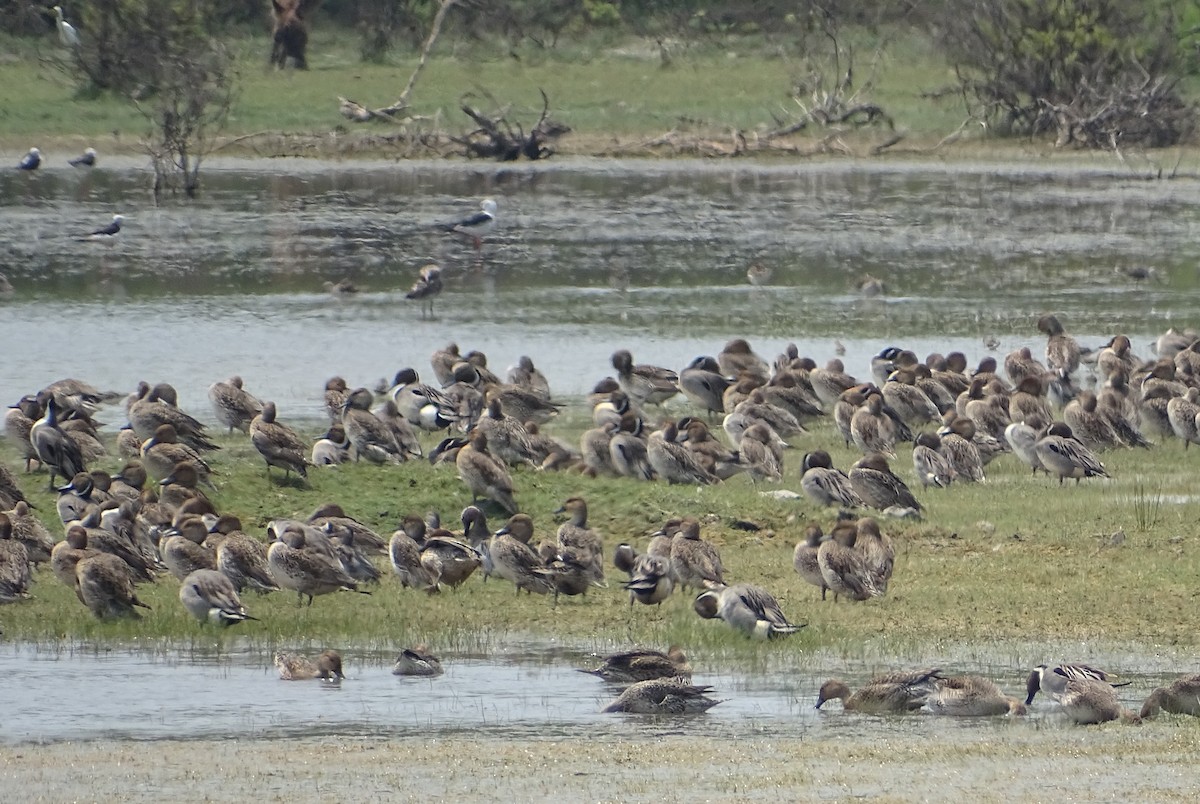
<point x="404" y="553"/>
<point x="233" y="405"/>
<point x="209" y="596"/>
<point x="294" y="667"/>
<point x="844" y="569"/>
<point x="1181" y="414"/>
<point x="443" y="360"/>
<point x="1180" y="697"/>
<point x="791" y="391"/>
<point x="181" y="486"/>
<point x="243" y="559"/>
<point x="755" y="408"/>
<point x="68" y="553"/>
<point x="1023" y="440"/>
<point x="650" y="579"/>
<point x="594" y="451"/>
<point x="1020" y="365"/>
<point x="523" y="404"/>
<point x="672" y="461"/>
<point x="575" y="534"/>
<point x="871" y="430"/>
<point x="18" y="422"/>
<point x="182" y="550"/>
<point x="29" y="531"/>
<point x="417" y="661"/>
<point x="308" y="572"/>
<point x="747" y="608"/>
<point x="961" y="451"/>
<point x="759" y="454"/>
<point x="331" y="449"/>
<point x="16" y="571"/>
<point x="104" y="584"/>
<point x="526" y="375"/>
<point x="571" y="571"/>
<point x="644" y="384"/>
<point x="930" y="466"/>
<point x="738" y="358"/>
<point x="704" y="385"/>
<point x="1062" y="352"/>
<point x="611" y="407"/>
<point x="507" y="438"/>
<point x="55" y="450"/>
<point x="911" y="404"/>
<point x="1028" y="404"/>
<point x="75" y="498"/>
<point x="369" y="436"/>
<point x="879" y="487"/>
<point x="1088" y="702"/>
<point x="448" y="560"/>
<point x="483" y="474"/>
<point x="663" y="697"/>
<point x="336" y="391"/>
<point x="278" y="444"/>
<point x="401" y="430"/>
<point x="804" y="558"/>
<point x="890" y="693"/>
<point x="514" y="560"/>
<point x="633" y="666"/>
<point x="712" y="455"/>
<point x="1052" y="679"/>
<point x="1088" y="426"/>
<point x="1063" y="456"/>
<point x="163" y="451"/>
<point x="154" y="407"/>
<point x="695" y="562"/>
<point x="1116" y="357"/>
<point x="426" y="288"/>
<point x="627" y="450"/>
<point x="422" y="405"/>
<point x="1172" y="342"/>
<point x="971" y="696"/>
<point x="830" y="382"/>
<point x="879" y="555"/>
<point x="333" y="519"/>
<point x="826" y="485"/>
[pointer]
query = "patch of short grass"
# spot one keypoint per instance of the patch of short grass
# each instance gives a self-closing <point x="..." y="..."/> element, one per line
<point x="1016" y="559"/>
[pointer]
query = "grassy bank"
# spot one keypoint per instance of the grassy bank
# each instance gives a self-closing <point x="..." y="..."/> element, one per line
<point x="614" y="94"/>
<point x="1015" y="559"/>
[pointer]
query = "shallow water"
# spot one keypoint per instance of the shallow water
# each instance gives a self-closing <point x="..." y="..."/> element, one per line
<point x="590" y="255"/>
<point x="535" y="692"/>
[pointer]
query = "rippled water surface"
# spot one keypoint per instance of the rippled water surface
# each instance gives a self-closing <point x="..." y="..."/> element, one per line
<point x="590" y="256"/>
<point x="88" y="694"/>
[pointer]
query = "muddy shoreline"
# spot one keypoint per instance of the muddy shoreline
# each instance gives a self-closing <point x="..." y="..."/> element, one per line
<point x="1154" y="762"/>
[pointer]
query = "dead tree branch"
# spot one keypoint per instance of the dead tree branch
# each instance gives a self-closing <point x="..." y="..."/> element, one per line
<point x="361" y="114"/>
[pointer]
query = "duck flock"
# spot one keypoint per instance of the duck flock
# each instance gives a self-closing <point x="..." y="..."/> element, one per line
<point x="153" y="516"/>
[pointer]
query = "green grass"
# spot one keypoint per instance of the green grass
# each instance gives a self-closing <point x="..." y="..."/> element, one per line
<point x="608" y="92"/>
<point x="1015" y="560"/>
